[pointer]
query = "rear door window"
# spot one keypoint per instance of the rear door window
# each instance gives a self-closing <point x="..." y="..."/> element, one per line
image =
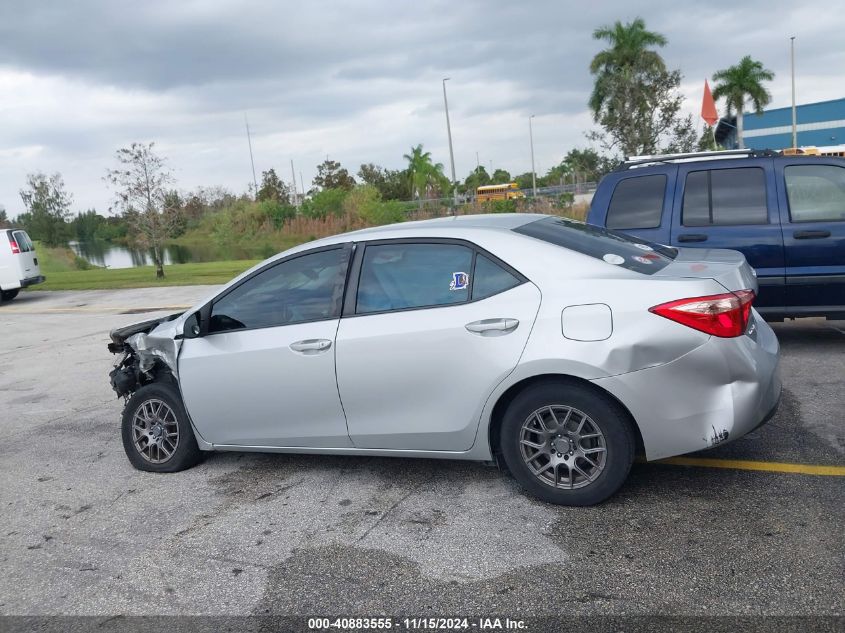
<point x="402" y="276"/>
<point x="22" y="240"/>
<point x="637" y="203"/>
<point x="611" y="247"/>
<point x="816" y="193"/>
<point x="721" y="197"/>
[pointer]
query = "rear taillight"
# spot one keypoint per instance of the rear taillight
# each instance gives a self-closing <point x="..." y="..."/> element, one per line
<point x="724" y="315"/>
<point x="15" y="248"/>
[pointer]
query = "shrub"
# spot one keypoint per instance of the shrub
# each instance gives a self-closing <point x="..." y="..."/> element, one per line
<point x="324" y="203"/>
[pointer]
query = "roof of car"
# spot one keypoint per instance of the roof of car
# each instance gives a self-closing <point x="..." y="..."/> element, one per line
<point x="503" y="221"/>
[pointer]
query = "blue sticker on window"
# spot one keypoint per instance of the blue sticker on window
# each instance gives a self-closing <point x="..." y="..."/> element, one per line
<point x="459" y="281"/>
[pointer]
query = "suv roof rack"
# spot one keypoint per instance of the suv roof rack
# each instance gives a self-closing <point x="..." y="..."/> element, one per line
<point x="639" y="161"/>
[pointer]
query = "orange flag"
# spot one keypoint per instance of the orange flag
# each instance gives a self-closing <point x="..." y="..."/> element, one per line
<point x="708" y="106"/>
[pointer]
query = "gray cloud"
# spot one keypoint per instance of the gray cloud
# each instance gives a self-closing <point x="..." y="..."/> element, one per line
<point x="357" y="80"/>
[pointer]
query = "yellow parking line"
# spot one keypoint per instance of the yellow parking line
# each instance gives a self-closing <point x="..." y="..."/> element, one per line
<point x="742" y="464"/>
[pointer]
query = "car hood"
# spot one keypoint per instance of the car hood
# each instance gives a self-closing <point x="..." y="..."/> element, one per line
<point x="121" y="334"/>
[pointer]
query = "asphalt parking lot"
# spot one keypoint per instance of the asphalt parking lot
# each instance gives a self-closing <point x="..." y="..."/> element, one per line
<point x="84" y="533"/>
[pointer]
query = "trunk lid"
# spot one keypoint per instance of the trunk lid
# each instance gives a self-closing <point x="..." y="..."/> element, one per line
<point x="728" y="268"/>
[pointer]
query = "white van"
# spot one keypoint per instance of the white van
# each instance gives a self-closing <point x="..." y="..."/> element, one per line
<point x="18" y="263"/>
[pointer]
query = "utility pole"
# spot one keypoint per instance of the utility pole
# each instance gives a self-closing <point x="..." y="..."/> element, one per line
<point x="794" y="118"/>
<point x="293" y="178"/>
<point x="477" y="162"/>
<point x="302" y="184"/>
<point x="249" y="141"/>
<point x="533" y="173"/>
<point x="451" y="153"/>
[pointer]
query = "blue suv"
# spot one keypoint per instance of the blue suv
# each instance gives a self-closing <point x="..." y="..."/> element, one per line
<point x="786" y="214"/>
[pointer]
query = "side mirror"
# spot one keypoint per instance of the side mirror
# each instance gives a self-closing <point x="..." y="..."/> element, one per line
<point x="191" y="327"/>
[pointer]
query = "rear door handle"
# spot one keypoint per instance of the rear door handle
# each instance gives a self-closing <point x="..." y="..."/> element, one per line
<point x="692" y="237"/>
<point x="810" y="235"/>
<point x="311" y="345"/>
<point x="492" y="327"/>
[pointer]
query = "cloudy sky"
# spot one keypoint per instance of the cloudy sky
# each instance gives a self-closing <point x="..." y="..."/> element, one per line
<point x="355" y="81"/>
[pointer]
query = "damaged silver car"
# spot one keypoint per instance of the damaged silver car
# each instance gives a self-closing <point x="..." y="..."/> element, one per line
<point x="555" y="348"/>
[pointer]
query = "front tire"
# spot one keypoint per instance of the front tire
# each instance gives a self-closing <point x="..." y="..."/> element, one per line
<point x="8" y="295"/>
<point x="157" y="436"/>
<point x="566" y="443"/>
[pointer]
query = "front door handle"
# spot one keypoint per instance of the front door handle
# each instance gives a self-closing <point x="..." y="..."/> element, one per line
<point x="492" y="327"/>
<point x="311" y="345"/>
<point x="692" y="237"/>
<point x="810" y="235"/>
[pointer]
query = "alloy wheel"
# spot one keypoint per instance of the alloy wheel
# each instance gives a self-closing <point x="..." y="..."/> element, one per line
<point x="563" y="447"/>
<point x="155" y="431"/>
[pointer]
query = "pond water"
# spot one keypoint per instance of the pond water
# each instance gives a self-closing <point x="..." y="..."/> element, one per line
<point x="109" y="255"/>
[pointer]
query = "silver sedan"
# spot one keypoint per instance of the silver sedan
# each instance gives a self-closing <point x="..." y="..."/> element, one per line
<point x="553" y="347"/>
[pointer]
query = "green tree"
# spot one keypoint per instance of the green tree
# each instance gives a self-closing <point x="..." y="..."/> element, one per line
<point x="48" y="206"/>
<point x="4" y="219"/>
<point x="392" y="184"/>
<point x="140" y="184"/>
<point x="478" y="177"/>
<point x="634" y="98"/>
<point x="272" y="188"/>
<point x="628" y="56"/>
<point x="85" y="225"/>
<point x="524" y="181"/>
<point x="426" y="177"/>
<point x="587" y="164"/>
<point x="500" y="177"/>
<point x="707" y="140"/>
<point x="740" y="84"/>
<point x="330" y="175"/>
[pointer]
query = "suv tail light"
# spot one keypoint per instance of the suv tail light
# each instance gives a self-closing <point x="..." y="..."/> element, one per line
<point x="15" y="248"/>
<point x="725" y="315"/>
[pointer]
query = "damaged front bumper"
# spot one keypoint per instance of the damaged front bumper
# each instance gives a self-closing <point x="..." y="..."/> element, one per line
<point x="149" y="348"/>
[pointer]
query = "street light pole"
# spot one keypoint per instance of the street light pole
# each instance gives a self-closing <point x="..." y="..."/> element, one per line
<point x="533" y="173"/>
<point x="451" y="153"/>
<point x="794" y="118"/>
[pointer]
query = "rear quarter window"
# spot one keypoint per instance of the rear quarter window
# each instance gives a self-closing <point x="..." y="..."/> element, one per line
<point x="615" y="249"/>
<point x="637" y="203"/>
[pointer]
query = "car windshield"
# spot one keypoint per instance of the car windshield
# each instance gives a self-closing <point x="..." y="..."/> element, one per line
<point x="609" y="246"/>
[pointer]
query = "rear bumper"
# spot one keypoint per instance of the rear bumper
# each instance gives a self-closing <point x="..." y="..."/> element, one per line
<point x="711" y="395"/>
<point x="31" y="281"/>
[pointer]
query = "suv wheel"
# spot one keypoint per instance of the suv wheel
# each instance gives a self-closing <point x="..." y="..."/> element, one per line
<point x="8" y="295"/>
<point x="567" y="444"/>
<point x="157" y="436"/>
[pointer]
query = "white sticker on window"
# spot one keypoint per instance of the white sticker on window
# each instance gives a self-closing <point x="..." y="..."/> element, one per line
<point x="642" y="260"/>
<point x="643" y="247"/>
<point x="459" y="281"/>
<point x="614" y="259"/>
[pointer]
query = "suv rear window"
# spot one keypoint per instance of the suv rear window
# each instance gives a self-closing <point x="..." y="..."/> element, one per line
<point x="637" y="203"/>
<point x="614" y="248"/>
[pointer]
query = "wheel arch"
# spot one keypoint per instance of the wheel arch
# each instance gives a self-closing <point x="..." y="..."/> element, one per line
<point x="504" y="400"/>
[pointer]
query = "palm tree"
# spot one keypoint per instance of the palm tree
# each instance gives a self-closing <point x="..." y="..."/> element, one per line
<point x="424" y="175"/>
<point x="628" y="54"/>
<point x="740" y="83"/>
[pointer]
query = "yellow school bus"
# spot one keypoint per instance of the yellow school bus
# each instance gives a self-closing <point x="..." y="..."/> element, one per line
<point x="506" y="191"/>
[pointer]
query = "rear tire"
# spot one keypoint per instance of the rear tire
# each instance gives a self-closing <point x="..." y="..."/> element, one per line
<point x="8" y="295"/>
<point x="566" y="443"/>
<point x="157" y="436"/>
